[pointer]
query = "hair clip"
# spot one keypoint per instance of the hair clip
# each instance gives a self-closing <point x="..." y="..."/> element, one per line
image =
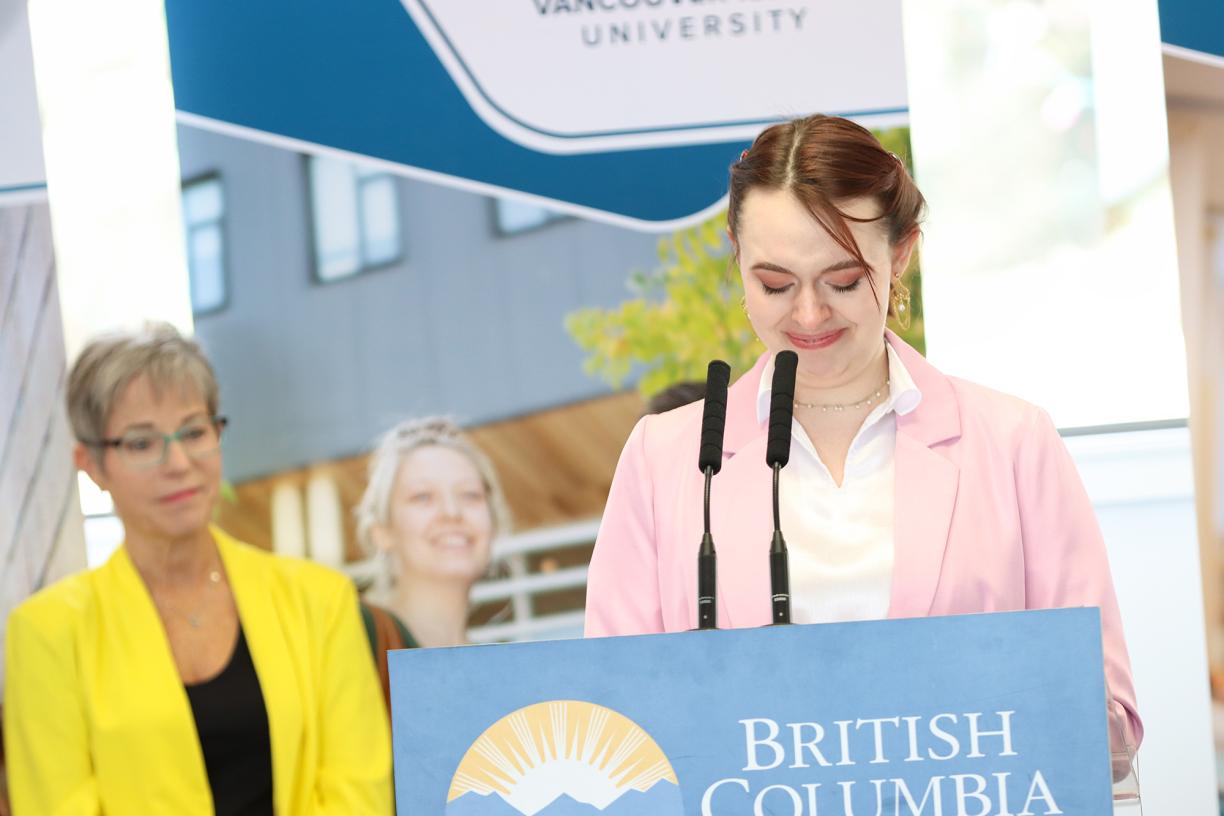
<point x="743" y="155"/>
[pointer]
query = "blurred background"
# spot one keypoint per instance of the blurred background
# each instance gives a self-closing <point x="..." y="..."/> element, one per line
<point x="361" y="226"/>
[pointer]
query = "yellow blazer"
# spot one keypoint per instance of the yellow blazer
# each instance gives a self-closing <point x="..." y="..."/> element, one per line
<point x="97" y="720"/>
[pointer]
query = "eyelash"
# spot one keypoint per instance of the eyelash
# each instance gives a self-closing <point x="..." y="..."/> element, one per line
<point x="769" y="290"/>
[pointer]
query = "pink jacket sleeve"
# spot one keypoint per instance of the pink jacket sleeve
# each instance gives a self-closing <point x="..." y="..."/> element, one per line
<point x="1065" y="561"/>
<point x="623" y="580"/>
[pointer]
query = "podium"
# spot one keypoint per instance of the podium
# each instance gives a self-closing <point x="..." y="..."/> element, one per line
<point x="999" y="714"/>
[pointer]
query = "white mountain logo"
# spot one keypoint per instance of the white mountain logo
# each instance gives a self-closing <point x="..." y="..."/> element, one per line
<point x="564" y="758"/>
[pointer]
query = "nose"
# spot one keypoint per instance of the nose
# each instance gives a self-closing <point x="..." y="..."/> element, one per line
<point x="809" y="310"/>
<point x="449" y="505"/>
<point x="176" y="459"/>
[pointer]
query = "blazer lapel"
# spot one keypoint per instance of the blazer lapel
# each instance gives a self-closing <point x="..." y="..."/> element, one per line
<point x="925" y="494"/>
<point x="136" y="640"/>
<point x="925" y="487"/>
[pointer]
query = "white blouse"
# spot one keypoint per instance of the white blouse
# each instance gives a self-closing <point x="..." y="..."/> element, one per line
<point x="840" y="539"/>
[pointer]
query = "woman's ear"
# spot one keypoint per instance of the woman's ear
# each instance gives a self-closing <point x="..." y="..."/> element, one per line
<point x="382" y="539"/>
<point x="84" y="458"/>
<point x="903" y="251"/>
<point x="734" y="245"/>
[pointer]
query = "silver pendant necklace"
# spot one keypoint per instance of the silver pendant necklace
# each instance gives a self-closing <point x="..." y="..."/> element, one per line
<point x="850" y="406"/>
<point x="195" y="621"/>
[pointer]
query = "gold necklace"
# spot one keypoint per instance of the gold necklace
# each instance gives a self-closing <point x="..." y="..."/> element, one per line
<point x="863" y="403"/>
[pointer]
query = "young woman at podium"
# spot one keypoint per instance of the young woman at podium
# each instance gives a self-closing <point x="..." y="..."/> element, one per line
<point x="908" y="492"/>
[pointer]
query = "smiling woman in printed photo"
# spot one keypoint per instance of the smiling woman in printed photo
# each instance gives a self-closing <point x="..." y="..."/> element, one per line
<point x="432" y="509"/>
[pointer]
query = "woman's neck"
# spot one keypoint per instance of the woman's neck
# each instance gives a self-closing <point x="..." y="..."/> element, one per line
<point x="170" y="562"/>
<point x="833" y="431"/>
<point x="434" y="610"/>
<point x="859" y="386"/>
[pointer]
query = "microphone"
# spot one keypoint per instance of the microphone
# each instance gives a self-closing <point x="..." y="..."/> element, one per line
<point x="709" y="461"/>
<point x="777" y="454"/>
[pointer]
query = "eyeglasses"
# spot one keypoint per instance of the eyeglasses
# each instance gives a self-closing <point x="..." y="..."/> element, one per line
<point x="148" y="448"/>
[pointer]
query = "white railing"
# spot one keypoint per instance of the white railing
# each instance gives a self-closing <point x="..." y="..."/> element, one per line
<point x="520" y="585"/>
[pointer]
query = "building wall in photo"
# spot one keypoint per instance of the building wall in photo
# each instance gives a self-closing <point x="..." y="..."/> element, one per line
<point x="467" y="321"/>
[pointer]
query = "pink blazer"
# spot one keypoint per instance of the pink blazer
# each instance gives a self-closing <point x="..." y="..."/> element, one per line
<point x="991" y="516"/>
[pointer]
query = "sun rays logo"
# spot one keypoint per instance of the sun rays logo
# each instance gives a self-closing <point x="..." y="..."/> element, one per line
<point x="564" y="758"/>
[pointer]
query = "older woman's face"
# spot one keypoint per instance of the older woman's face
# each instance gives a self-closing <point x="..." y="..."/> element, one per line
<point x="173" y="499"/>
<point x="441" y="524"/>
<point x="804" y="292"/>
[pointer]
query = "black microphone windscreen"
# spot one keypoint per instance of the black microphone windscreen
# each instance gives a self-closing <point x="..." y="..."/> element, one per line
<point x="714" y="419"/>
<point x="781" y="408"/>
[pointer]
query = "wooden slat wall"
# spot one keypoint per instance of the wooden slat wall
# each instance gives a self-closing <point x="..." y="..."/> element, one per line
<point x="555" y="466"/>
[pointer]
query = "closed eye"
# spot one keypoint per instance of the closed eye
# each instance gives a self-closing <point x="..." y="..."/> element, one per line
<point x="772" y="290"/>
<point x="849" y="287"/>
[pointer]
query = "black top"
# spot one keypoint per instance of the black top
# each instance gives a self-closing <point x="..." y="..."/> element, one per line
<point x="233" y="727"/>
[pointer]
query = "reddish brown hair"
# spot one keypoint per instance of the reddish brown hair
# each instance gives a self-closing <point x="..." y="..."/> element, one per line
<point x="824" y="160"/>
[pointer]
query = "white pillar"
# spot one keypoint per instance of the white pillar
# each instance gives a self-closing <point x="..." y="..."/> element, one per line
<point x="288" y="520"/>
<point x="325" y="519"/>
<point x="109" y="142"/>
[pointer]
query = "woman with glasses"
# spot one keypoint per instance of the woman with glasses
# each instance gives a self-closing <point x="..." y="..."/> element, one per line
<point x="190" y="674"/>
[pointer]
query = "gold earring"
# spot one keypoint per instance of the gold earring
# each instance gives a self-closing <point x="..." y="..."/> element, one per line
<point x="899" y="301"/>
<point x="744" y="303"/>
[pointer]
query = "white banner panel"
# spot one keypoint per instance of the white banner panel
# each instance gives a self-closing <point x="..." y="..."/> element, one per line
<point x="570" y="76"/>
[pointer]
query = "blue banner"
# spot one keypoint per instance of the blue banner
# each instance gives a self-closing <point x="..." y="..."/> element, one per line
<point x="1194" y="24"/>
<point x="967" y="716"/>
<point x="633" y="110"/>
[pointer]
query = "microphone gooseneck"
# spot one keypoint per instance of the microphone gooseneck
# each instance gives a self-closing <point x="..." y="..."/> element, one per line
<point x="709" y="461"/>
<point x="777" y="454"/>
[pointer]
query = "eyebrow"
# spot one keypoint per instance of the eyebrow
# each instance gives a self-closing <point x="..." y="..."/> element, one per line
<point x="140" y="426"/>
<point x="411" y="487"/>
<point x="848" y="263"/>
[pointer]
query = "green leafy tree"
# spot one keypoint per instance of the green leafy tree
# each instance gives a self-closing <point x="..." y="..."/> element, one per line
<point x="897" y="141"/>
<point x="688" y="311"/>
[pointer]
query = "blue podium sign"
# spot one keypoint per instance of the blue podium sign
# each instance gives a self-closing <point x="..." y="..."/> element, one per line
<point x="979" y="715"/>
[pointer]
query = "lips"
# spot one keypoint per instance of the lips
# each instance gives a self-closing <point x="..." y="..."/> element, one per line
<point x="180" y="495"/>
<point x="815" y="341"/>
<point x="452" y="541"/>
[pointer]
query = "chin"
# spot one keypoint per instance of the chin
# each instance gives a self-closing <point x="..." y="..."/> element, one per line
<point x="822" y="368"/>
<point x="453" y="569"/>
<point x="184" y="525"/>
<point x="469" y="570"/>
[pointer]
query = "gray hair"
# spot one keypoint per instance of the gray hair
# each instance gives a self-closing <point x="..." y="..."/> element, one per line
<point x="394" y="446"/>
<point x="111" y="361"/>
